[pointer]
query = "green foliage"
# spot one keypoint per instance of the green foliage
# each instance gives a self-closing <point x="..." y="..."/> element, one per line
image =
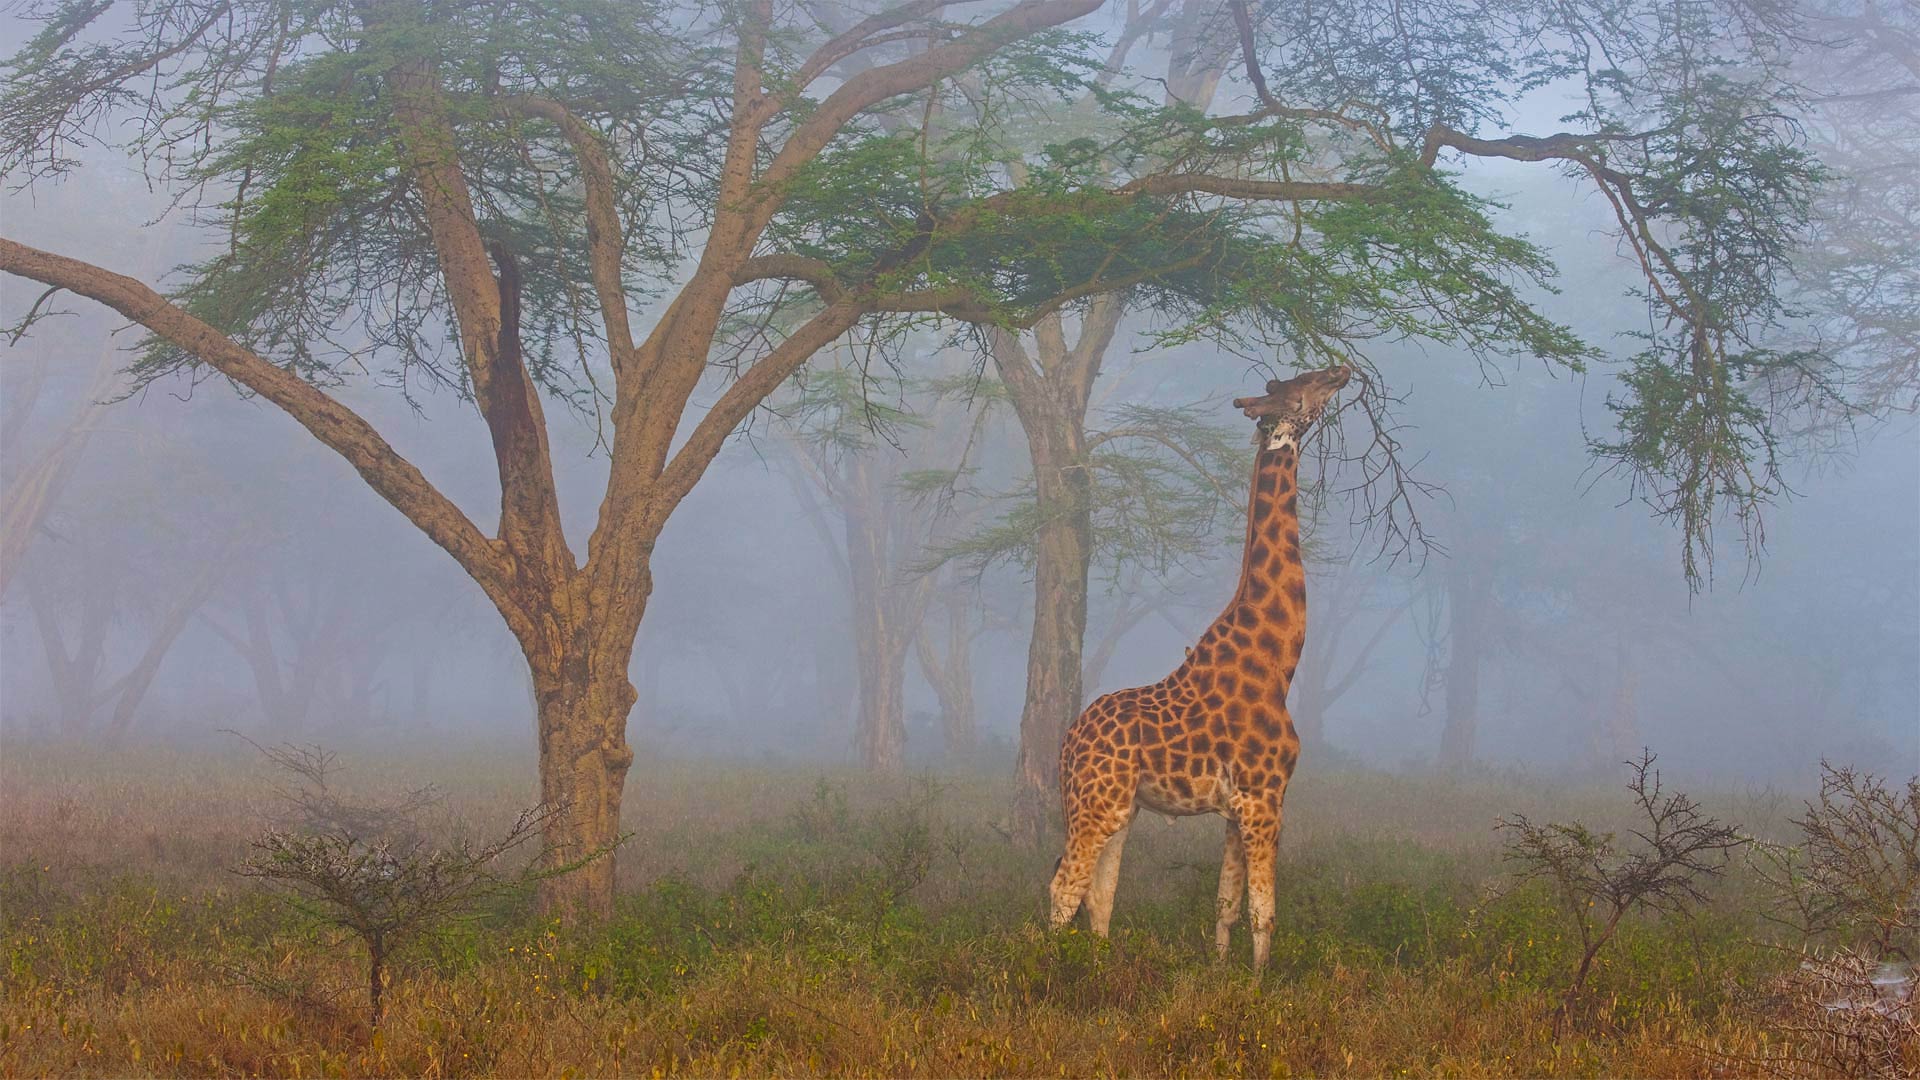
<point x="285" y="107"/>
<point x="1007" y="192"/>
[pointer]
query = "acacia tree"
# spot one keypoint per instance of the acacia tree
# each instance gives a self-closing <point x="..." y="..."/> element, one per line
<point x="87" y="606"/>
<point x="402" y="182"/>
<point x="946" y="658"/>
<point x="304" y="642"/>
<point x="1155" y="488"/>
<point x="1049" y="380"/>
<point x="109" y="614"/>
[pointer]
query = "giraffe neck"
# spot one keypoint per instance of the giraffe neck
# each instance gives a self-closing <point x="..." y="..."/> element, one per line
<point x="1270" y="565"/>
<point x="1266" y="620"/>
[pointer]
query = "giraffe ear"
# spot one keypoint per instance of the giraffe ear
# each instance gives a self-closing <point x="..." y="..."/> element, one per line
<point x="1273" y="386"/>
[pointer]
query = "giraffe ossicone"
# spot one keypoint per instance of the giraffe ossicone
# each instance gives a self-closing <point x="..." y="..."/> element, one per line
<point x="1214" y="736"/>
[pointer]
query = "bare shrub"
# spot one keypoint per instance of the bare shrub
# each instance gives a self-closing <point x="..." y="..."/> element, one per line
<point x="1854" y="879"/>
<point x="1849" y="894"/>
<point x="1598" y="880"/>
<point x="365" y="868"/>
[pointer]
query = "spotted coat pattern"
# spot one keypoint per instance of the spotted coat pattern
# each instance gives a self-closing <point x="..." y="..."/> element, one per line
<point x="1212" y="737"/>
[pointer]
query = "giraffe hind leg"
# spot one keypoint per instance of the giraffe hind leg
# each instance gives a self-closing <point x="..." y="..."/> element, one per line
<point x="1106" y="877"/>
<point x="1233" y="885"/>
<point x="1087" y="836"/>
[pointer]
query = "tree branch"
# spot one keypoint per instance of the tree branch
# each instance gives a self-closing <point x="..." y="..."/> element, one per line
<point x="489" y="342"/>
<point x="606" y="240"/>
<point x="862" y="36"/>
<point x="341" y="429"/>
<point x="877" y="84"/>
<point x="746" y="393"/>
<point x="1233" y="187"/>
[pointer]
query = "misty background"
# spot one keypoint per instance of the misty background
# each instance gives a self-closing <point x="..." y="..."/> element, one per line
<point x="1548" y="614"/>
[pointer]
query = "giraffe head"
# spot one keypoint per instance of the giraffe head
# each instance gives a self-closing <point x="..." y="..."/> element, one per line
<point x="1289" y="408"/>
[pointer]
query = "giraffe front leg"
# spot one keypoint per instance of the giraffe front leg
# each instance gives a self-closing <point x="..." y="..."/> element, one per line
<point x="1233" y="884"/>
<point x="1106" y="878"/>
<point x="1259" y="821"/>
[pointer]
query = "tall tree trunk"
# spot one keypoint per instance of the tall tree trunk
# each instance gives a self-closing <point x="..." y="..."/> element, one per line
<point x="882" y="733"/>
<point x="1468" y="593"/>
<point x="1050" y="397"/>
<point x="886" y="612"/>
<point x="583" y="697"/>
<point x="1050" y="392"/>
<point x="1063" y="559"/>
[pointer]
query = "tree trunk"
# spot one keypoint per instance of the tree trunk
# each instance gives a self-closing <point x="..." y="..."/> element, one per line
<point x="883" y="677"/>
<point x="1062" y="562"/>
<point x="952" y="678"/>
<point x="1468" y="593"/>
<point x="886" y="615"/>
<point x="1050" y="398"/>
<point x="73" y="673"/>
<point x="139" y="680"/>
<point x="583" y="697"/>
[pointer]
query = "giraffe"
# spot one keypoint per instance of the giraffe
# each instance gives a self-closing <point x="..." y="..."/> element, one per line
<point x="1214" y="736"/>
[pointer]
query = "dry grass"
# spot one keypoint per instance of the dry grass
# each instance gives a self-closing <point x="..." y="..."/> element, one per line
<point x="775" y="923"/>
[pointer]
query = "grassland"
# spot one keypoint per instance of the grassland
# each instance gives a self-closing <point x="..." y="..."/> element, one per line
<point x="782" y="921"/>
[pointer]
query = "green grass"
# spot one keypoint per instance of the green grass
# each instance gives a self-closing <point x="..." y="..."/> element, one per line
<point x="776" y="921"/>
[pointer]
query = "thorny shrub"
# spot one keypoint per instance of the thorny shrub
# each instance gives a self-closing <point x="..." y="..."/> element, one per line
<point x="1598" y="880"/>
<point x="1849" y="894"/>
<point x="363" y="867"/>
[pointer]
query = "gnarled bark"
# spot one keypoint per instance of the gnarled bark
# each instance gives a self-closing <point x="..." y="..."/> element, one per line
<point x="583" y="698"/>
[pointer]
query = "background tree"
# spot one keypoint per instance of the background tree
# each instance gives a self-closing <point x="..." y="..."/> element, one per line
<point x="1354" y="610"/>
<point x="1159" y="488"/>
<point x="1684" y="124"/>
<point x="944" y="650"/>
<point x="108" y="614"/>
<point x="860" y="467"/>
<point x="39" y="468"/>
<point x="1049" y="383"/>
<point x="1860" y="276"/>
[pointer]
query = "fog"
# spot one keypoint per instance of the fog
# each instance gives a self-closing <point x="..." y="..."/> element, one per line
<point x="304" y="608"/>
